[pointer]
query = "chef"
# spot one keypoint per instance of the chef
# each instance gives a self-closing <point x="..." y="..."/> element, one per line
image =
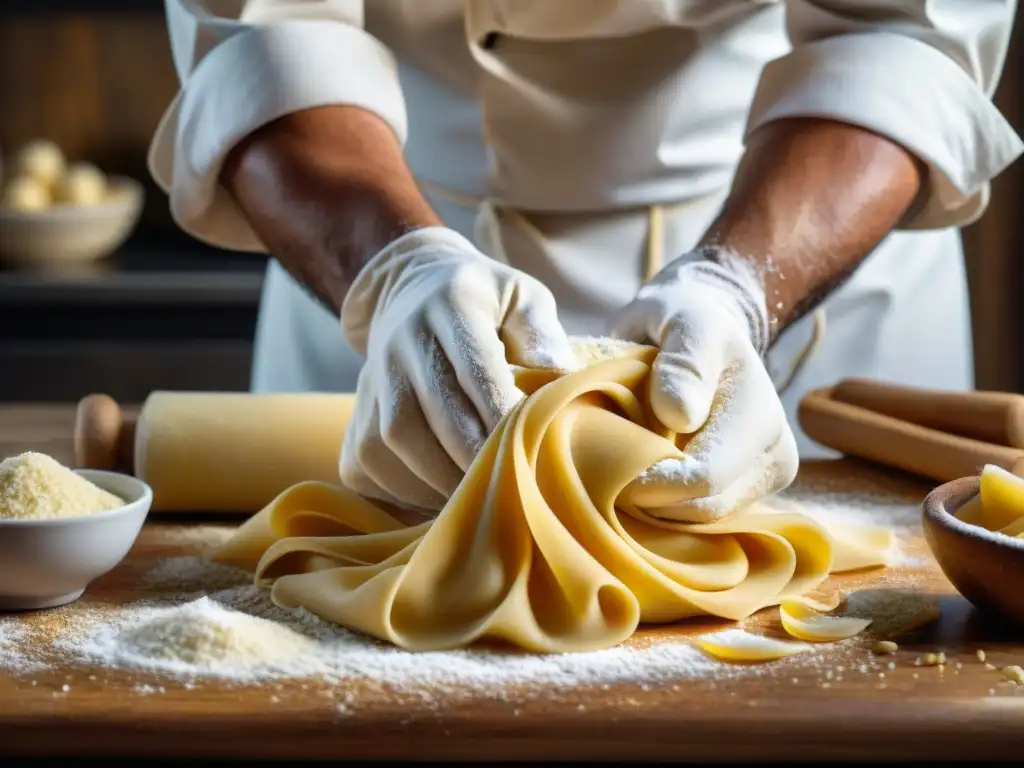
<point x="769" y="191"/>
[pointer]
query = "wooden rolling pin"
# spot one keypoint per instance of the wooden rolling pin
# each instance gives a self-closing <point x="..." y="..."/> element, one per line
<point x="207" y="451"/>
<point x="234" y="452"/>
<point x="992" y="417"/>
<point x="866" y="434"/>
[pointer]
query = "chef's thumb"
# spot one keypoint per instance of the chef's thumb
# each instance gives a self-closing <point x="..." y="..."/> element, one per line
<point x="684" y="382"/>
<point x="534" y="337"/>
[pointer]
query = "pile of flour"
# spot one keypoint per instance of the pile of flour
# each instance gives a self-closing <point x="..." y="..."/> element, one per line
<point x="901" y="516"/>
<point x="230" y="630"/>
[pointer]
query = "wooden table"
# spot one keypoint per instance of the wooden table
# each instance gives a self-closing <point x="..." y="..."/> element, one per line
<point x="806" y="713"/>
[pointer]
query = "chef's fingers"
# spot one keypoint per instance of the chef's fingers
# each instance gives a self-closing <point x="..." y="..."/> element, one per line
<point x="635" y="322"/>
<point x="350" y="470"/>
<point x="456" y="432"/>
<point x="770" y="472"/>
<point x="690" y="372"/>
<point x="745" y="450"/>
<point x="470" y="341"/>
<point x="368" y="465"/>
<point x="534" y="334"/>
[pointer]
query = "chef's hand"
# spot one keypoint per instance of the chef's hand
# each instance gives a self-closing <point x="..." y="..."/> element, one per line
<point x="706" y="311"/>
<point x="433" y="316"/>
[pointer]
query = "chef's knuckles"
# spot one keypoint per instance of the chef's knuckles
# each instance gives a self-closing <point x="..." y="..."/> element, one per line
<point x="709" y="380"/>
<point x="437" y="315"/>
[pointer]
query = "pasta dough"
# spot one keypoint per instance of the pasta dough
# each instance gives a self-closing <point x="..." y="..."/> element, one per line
<point x="739" y="646"/>
<point x="802" y="619"/>
<point x="543" y="544"/>
<point x="999" y="507"/>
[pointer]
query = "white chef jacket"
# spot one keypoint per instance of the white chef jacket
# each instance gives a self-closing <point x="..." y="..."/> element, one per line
<point x="547" y="130"/>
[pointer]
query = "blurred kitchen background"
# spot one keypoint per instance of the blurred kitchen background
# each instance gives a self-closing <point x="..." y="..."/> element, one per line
<point x="164" y="311"/>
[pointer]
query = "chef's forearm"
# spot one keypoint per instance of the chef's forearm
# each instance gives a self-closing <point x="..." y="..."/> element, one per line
<point x="811" y="199"/>
<point x="325" y="189"/>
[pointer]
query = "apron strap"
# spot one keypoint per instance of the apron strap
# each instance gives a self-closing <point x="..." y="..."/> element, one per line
<point x="655" y="241"/>
<point x="817" y="334"/>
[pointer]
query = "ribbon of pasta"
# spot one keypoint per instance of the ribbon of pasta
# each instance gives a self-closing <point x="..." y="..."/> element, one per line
<point x="541" y="545"/>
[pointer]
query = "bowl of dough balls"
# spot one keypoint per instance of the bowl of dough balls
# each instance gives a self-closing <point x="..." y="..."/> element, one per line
<point x="58" y="214"/>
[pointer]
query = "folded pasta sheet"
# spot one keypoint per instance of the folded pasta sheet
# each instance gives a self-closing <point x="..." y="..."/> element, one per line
<point x="542" y="545"/>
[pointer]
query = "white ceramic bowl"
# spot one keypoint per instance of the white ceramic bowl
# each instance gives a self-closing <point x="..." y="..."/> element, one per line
<point x="66" y="236"/>
<point x="46" y="563"/>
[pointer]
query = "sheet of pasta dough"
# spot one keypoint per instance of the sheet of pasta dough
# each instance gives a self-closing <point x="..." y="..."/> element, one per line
<point x="541" y="545"/>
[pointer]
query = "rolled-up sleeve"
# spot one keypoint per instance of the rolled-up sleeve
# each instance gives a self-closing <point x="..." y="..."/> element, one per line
<point x="245" y="64"/>
<point x="919" y="72"/>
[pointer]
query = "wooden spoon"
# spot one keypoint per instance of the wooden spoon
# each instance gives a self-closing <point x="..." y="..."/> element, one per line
<point x="984" y="567"/>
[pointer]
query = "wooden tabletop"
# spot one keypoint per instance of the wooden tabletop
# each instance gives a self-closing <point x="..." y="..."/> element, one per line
<point x="852" y="708"/>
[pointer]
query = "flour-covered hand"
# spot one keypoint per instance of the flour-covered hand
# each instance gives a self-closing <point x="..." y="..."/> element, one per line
<point x="438" y="322"/>
<point x="706" y="312"/>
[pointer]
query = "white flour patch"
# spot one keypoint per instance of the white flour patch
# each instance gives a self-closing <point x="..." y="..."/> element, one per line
<point x="14" y="638"/>
<point x="207" y="536"/>
<point x="191" y="574"/>
<point x="596" y="349"/>
<point x="220" y="636"/>
<point x="236" y="635"/>
<point x="670" y="471"/>
<point x="10" y="634"/>
<point x="901" y="516"/>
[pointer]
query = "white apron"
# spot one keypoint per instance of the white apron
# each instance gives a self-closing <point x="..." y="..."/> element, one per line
<point x="567" y="196"/>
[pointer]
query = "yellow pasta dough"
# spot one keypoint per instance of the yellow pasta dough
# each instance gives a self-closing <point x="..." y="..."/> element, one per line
<point x="542" y="544"/>
<point x="999" y="507"/>
<point x="802" y="619"/>
<point x="739" y="646"/>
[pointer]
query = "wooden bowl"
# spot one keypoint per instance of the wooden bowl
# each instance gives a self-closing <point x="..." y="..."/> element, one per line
<point x="66" y="236"/>
<point x="985" y="567"/>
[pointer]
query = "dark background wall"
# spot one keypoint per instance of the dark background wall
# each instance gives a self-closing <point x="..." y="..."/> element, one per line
<point x="165" y="312"/>
<point x="95" y="76"/>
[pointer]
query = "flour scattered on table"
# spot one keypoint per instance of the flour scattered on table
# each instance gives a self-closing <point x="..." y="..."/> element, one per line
<point x="10" y="636"/>
<point x="183" y="575"/>
<point x="207" y="536"/>
<point x="14" y="638"/>
<point x="894" y="611"/>
<point x="206" y="620"/>
<point x="238" y="634"/>
<point x="900" y="515"/>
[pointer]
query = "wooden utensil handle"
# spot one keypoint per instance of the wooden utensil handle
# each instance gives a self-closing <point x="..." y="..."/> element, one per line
<point x="992" y="417"/>
<point x="866" y="434"/>
<point x="857" y="425"/>
<point x="104" y="435"/>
